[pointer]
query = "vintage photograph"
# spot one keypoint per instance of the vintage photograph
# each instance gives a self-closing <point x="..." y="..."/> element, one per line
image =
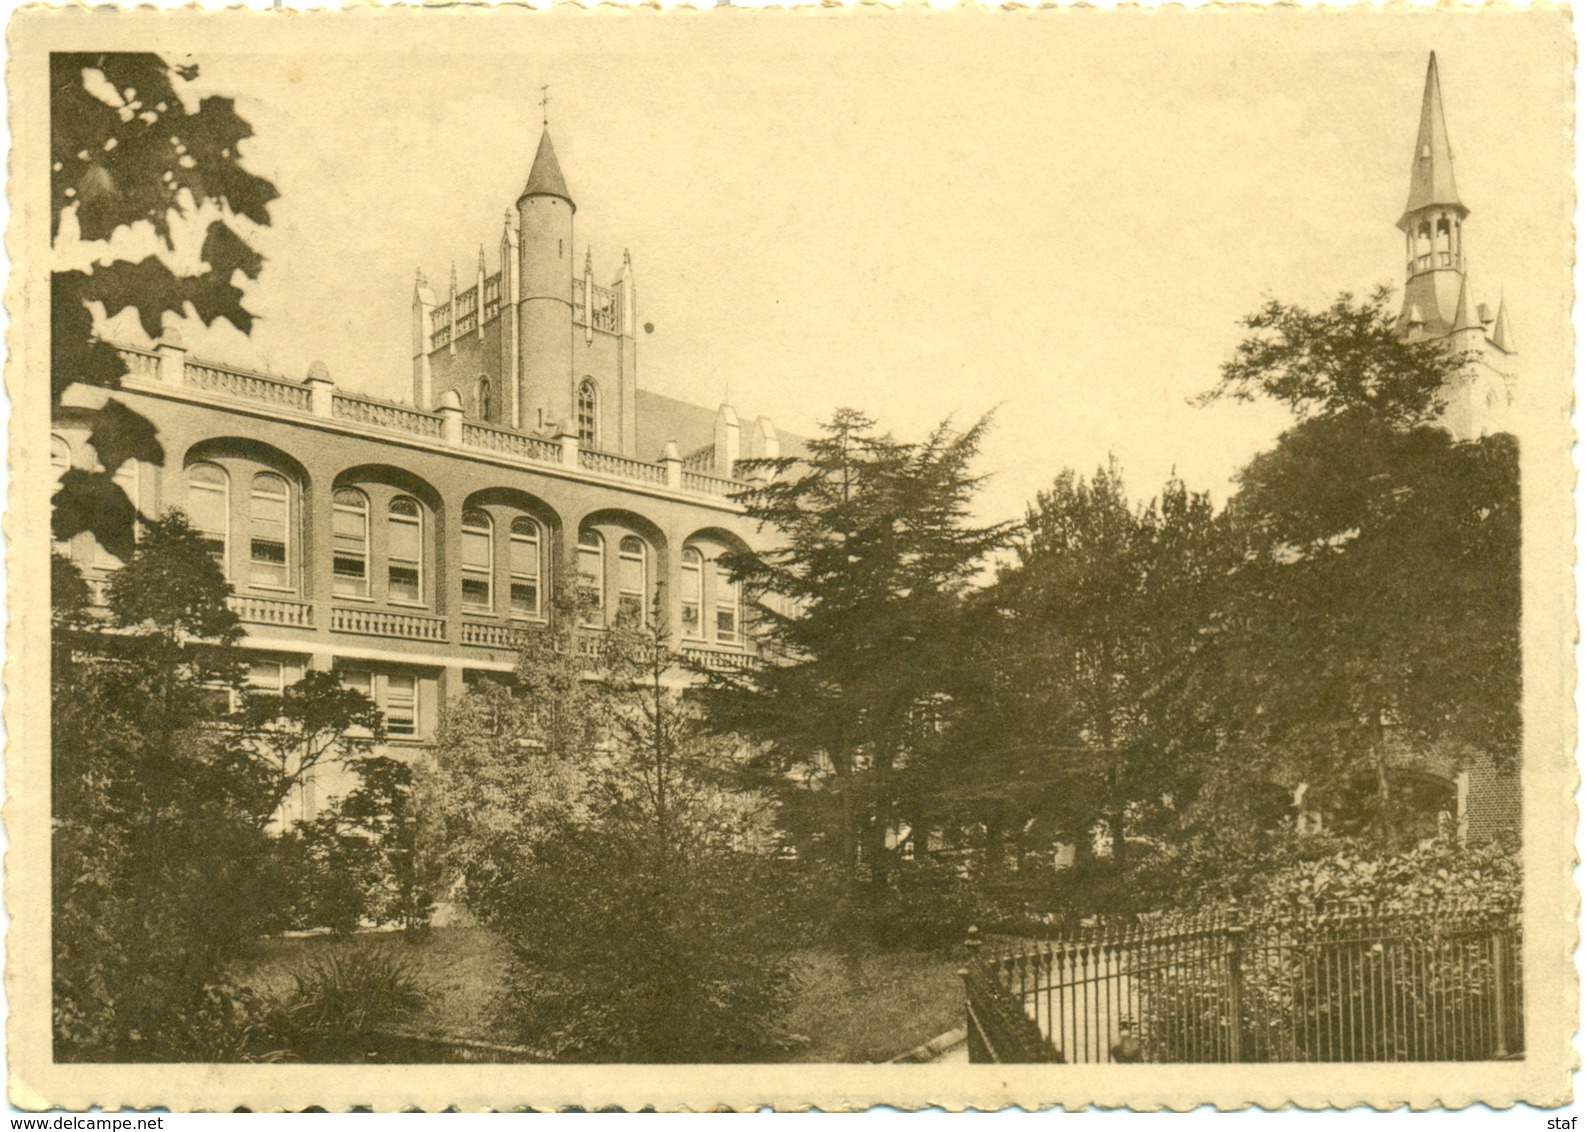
<point x="894" y="551"/>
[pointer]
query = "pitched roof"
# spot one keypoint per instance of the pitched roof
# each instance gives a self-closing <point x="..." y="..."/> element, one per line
<point x="1432" y="165"/>
<point x="545" y="175"/>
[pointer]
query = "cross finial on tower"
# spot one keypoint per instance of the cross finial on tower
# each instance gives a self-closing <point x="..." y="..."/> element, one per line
<point x="545" y="103"/>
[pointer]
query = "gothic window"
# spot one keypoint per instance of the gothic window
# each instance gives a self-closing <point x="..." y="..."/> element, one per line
<point x="631" y="580"/>
<point x="1424" y="245"/>
<point x="589" y="417"/>
<point x="592" y="578"/>
<point x="477" y="554"/>
<point x="350" y="544"/>
<point x="523" y="567"/>
<point x="484" y="399"/>
<point x="728" y="614"/>
<point x="269" y="507"/>
<point x="404" y="552"/>
<point x="1443" y="242"/>
<point x="207" y="489"/>
<point x="693" y="567"/>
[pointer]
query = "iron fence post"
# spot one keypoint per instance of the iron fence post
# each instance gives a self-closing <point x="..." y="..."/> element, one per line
<point x="1236" y="947"/>
<point x="1496" y="943"/>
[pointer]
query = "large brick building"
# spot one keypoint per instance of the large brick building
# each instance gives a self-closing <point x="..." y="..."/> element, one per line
<point x="404" y="545"/>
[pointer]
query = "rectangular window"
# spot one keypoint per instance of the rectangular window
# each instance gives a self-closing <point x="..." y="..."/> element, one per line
<point x="267" y="536"/>
<point x="402" y="705"/>
<point x="476" y="569"/>
<point x="402" y="552"/>
<point x="727" y="611"/>
<point x="350" y="551"/>
<point x="591" y="586"/>
<point x="523" y="565"/>
<point x="402" y="583"/>
<point x="359" y="680"/>
<point x="207" y="510"/>
<point x="693" y="586"/>
<point x="631" y="581"/>
<point x="265" y="678"/>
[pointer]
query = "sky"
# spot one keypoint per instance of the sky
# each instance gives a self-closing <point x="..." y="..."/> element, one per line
<point x="1059" y="216"/>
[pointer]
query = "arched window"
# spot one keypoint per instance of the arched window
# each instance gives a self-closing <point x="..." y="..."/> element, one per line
<point x="404" y="552"/>
<point x="350" y="544"/>
<point x="1443" y="242"/>
<point x="592" y="578"/>
<point x="1424" y="245"/>
<point x="476" y="560"/>
<point x="589" y="413"/>
<point x="269" y="510"/>
<point x="484" y="399"/>
<point x="207" y="508"/>
<point x="727" y="606"/>
<point x="693" y="587"/>
<point x="127" y="478"/>
<point x="60" y="464"/>
<point x="631" y="580"/>
<point x="523" y="567"/>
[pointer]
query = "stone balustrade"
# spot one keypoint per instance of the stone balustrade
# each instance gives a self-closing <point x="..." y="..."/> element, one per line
<point x="246" y="386"/>
<point x="386" y="623"/>
<point x="493" y="634"/>
<point x="698" y="483"/>
<point x="623" y="467"/>
<point x="717" y="659"/>
<point x="168" y="371"/>
<point x="272" y="611"/>
<point x="511" y="443"/>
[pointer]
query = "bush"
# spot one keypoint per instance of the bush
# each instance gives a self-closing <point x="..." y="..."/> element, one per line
<point x="623" y="956"/>
<point x="342" y="997"/>
<point x="1359" y="957"/>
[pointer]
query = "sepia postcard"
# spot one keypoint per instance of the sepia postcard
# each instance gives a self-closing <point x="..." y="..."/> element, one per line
<point x="821" y="557"/>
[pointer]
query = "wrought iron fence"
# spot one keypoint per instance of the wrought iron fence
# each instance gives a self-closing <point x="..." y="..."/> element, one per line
<point x="1351" y="984"/>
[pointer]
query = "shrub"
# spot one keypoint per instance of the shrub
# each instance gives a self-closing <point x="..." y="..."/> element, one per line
<point x="342" y="997"/>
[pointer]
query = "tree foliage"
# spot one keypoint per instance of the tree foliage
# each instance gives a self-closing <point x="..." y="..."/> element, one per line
<point x="1348" y="357"/>
<point x="1377" y="607"/>
<point x="130" y="154"/>
<point x="630" y="876"/>
<point x="1087" y="705"/>
<point x="872" y="553"/>
<point x="159" y="864"/>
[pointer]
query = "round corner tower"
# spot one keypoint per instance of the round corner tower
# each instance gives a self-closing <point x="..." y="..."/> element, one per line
<point x="545" y="296"/>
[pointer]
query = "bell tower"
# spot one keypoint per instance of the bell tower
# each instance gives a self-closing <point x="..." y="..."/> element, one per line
<point x="545" y="295"/>
<point x="1433" y="223"/>
<point x="1440" y="298"/>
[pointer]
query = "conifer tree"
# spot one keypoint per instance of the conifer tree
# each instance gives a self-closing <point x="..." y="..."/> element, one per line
<point x="855" y="603"/>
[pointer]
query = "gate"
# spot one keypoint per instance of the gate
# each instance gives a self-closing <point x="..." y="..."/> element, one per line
<point x="1352" y="984"/>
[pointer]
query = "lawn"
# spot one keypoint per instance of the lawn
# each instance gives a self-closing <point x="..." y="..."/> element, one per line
<point x="856" y="1007"/>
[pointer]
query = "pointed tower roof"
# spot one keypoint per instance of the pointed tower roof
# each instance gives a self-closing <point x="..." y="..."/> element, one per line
<point x="545" y="176"/>
<point x="1432" y="165"/>
<point x="1466" y="317"/>
<point x="1502" y="336"/>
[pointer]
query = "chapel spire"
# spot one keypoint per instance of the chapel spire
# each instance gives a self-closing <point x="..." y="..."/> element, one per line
<point x="1432" y="164"/>
<point x="1433" y="223"/>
